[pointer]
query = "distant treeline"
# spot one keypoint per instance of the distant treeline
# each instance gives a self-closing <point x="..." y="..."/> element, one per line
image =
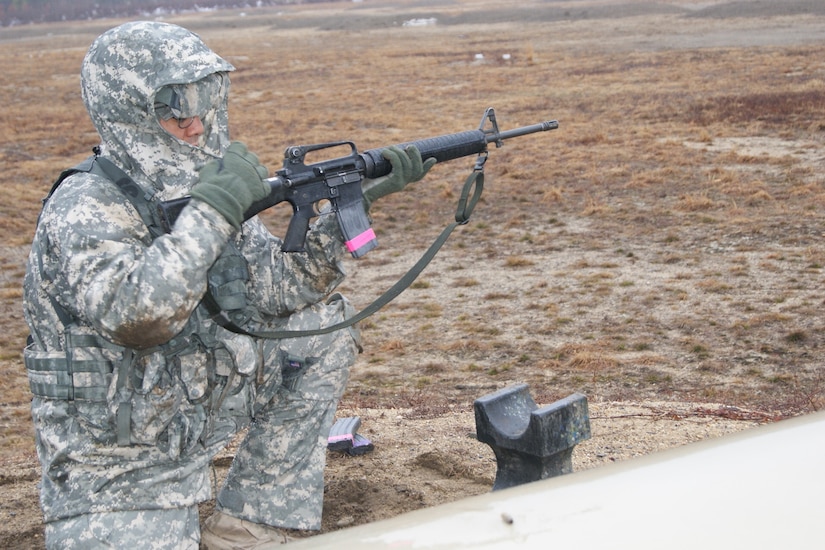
<point x="16" y="12"/>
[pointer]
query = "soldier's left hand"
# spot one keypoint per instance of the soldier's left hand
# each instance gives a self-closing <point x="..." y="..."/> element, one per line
<point x="407" y="167"/>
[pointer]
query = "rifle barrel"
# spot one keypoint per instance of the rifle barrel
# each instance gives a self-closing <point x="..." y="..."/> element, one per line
<point x="524" y="130"/>
<point x="450" y="146"/>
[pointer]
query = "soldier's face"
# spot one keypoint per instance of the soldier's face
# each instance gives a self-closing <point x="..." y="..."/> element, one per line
<point x="186" y="129"/>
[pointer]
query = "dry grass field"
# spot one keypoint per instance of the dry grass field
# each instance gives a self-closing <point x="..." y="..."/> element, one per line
<point x="661" y="252"/>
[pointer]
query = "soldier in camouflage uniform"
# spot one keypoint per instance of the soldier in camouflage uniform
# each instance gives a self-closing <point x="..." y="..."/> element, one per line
<point x="136" y="387"/>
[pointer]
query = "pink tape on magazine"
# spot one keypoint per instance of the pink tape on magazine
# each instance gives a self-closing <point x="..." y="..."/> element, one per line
<point x="361" y="240"/>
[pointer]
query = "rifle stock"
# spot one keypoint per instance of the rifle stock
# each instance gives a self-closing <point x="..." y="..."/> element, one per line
<point x="339" y="180"/>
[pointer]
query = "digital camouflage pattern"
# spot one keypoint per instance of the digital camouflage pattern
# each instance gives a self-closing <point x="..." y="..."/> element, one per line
<point x="116" y="320"/>
<point x="170" y="529"/>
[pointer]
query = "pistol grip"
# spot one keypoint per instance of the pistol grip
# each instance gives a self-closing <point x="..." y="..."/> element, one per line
<point x="296" y="233"/>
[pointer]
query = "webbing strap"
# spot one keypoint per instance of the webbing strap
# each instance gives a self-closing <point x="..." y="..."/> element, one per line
<point x="470" y="195"/>
<point x="140" y="199"/>
<point x="123" y="416"/>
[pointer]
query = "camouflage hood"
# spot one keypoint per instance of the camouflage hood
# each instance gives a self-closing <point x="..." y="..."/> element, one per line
<point x="122" y="74"/>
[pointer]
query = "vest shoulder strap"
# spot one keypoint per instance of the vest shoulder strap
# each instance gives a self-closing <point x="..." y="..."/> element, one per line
<point x="85" y="166"/>
<point x="140" y="199"/>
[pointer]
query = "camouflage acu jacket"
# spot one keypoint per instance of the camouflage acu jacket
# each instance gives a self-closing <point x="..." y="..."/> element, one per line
<point x="114" y="313"/>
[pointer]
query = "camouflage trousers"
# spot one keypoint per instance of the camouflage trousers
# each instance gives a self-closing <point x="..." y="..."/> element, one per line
<point x="175" y="529"/>
<point x="277" y="475"/>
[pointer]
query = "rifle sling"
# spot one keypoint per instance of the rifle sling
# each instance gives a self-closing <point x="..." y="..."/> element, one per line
<point x="466" y="204"/>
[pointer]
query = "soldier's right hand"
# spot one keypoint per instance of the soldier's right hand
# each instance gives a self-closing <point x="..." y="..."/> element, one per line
<point x="231" y="184"/>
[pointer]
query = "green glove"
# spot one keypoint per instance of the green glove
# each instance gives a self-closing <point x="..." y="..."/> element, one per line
<point x="231" y="184"/>
<point x="407" y="167"/>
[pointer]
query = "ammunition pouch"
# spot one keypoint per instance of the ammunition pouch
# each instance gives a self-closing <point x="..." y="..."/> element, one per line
<point x="83" y="372"/>
<point x="227" y="279"/>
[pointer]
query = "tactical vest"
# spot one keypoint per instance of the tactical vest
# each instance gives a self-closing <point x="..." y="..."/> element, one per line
<point x="84" y="370"/>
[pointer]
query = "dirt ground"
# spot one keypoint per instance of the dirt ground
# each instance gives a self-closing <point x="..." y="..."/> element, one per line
<point x="678" y="323"/>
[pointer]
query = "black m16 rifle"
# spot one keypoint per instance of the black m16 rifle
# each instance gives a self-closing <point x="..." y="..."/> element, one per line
<point x="338" y="181"/>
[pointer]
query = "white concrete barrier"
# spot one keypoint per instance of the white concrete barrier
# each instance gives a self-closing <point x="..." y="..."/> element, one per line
<point x="761" y="488"/>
